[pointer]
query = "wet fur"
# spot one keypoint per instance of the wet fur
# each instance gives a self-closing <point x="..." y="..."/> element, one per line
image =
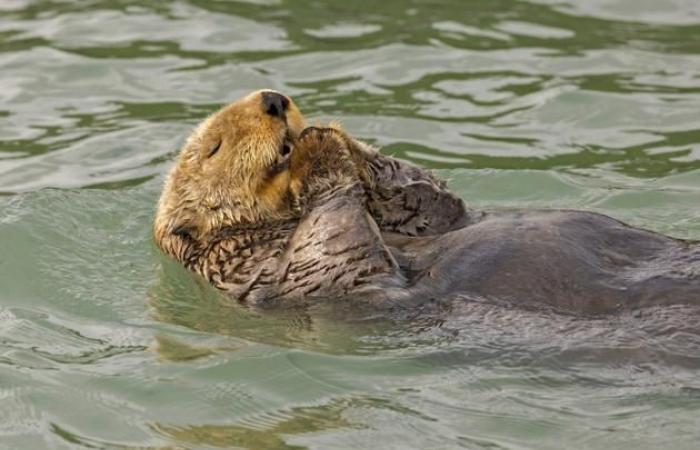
<point x="340" y="222"/>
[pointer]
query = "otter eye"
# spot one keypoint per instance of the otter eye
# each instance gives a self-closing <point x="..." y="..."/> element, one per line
<point x="213" y="149"/>
<point x="286" y="150"/>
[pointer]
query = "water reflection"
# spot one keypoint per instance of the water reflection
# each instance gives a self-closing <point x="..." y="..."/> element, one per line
<point x="273" y="431"/>
<point x="187" y="300"/>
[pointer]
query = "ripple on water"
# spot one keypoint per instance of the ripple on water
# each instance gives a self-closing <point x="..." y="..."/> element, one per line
<point x="538" y="103"/>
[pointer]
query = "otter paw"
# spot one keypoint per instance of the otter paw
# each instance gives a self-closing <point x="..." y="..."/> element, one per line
<point x="321" y="160"/>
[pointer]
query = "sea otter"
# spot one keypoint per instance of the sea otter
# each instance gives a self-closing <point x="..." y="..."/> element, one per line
<point x="276" y="213"/>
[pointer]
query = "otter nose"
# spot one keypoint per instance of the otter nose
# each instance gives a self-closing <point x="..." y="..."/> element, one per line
<point x="274" y="104"/>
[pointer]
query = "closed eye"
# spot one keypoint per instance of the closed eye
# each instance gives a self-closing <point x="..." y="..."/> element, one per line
<point x="213" y="149"/>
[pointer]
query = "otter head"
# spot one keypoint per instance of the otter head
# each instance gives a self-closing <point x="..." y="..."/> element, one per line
<point x="233" y="170"/>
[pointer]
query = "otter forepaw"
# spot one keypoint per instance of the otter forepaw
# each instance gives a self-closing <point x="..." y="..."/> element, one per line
<point x="321" y="160"/>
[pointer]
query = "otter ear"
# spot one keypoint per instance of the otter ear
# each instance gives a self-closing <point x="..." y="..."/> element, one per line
<point x="184" y="228"/>
<point x="174" y="240"/>
<point x="183" y="231"/>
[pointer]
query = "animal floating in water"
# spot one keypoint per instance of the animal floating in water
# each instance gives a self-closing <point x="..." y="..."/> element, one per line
<point x="275" y="213"/>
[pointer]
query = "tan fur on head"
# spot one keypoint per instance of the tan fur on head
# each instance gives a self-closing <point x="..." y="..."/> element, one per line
<point x="229" y="172"/>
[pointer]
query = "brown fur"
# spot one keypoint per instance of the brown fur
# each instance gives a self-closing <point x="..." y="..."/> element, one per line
<point x="255" y="224"/>
<point x="205" y="193"/>
<point x="335" y="219"/>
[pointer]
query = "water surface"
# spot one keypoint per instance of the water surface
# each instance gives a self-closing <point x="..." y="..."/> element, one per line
<point x="591" y="104"/>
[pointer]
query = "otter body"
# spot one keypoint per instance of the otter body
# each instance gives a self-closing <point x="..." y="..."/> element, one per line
<point x="571" y="260"/>
<point x="276" y="214"/>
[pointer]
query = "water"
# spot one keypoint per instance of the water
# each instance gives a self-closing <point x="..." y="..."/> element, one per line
<point x="104" y="343"/>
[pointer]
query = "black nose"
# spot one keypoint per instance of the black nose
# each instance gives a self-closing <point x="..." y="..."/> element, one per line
<point x="275" y="104"/>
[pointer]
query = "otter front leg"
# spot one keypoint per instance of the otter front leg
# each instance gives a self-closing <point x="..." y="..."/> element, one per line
<point x="336" y="249"/>
<point x="406" y="199"/>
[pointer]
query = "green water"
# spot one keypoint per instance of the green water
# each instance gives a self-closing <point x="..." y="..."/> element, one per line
<point x="590" y="104"/>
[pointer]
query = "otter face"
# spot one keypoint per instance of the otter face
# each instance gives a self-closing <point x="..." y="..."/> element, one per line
<point x="233" y="169"/>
